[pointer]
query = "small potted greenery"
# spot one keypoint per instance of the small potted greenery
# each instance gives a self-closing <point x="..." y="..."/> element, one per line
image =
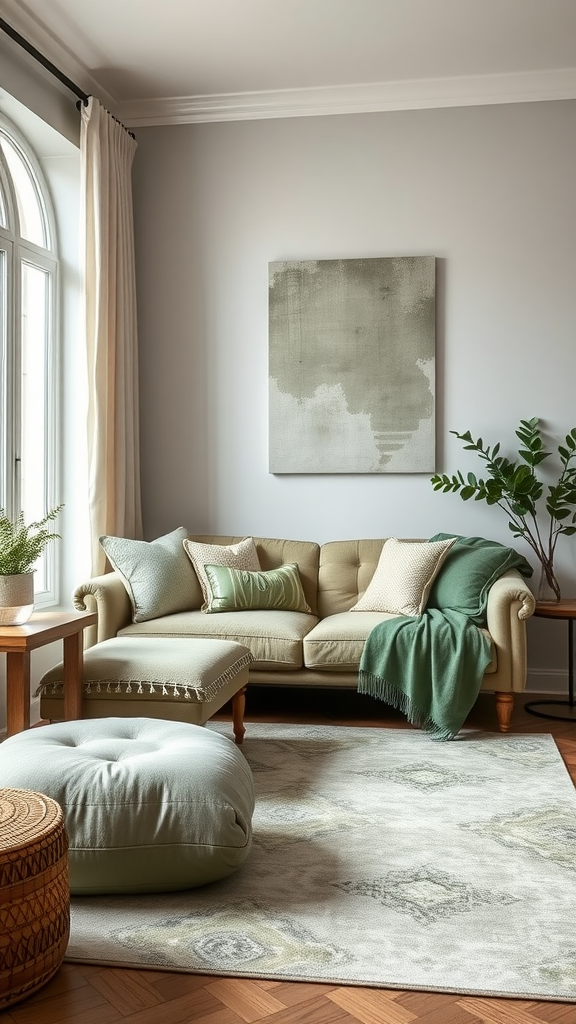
<point x="514" y="486"/>
<point x="21" y="545"/>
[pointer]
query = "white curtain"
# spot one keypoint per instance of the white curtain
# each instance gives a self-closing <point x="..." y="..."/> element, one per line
<point x="107" y="152"/>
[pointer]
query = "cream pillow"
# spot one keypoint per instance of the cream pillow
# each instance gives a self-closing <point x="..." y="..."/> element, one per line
<point x="242" y="555"/>
<point x="404" y="576"/>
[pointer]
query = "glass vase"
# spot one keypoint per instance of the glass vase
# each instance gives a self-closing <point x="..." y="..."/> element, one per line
<point x="548" y="586"/>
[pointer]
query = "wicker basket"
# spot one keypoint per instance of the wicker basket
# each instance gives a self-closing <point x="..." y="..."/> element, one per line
<point x="34" y="894"/>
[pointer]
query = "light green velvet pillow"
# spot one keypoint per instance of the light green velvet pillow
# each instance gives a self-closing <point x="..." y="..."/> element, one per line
<point x="238" y="590"/>
<point x="157" y="574"/>
<point x="471" y="567"/>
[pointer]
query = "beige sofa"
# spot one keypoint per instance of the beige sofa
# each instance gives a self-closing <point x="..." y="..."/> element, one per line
<point x="321" y="648"/>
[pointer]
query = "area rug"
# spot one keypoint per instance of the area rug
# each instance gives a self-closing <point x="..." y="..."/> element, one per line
<point x="381" y="857"/>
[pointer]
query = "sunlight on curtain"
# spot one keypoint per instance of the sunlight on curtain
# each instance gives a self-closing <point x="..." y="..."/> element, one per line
<point x="107" y="152"/>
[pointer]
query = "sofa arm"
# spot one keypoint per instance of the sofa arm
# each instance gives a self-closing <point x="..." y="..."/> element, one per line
<point x="107" y="596"/>
<point x="510" y="603"/>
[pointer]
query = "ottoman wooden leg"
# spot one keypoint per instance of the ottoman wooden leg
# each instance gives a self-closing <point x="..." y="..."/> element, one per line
<point x="238" y="708"/>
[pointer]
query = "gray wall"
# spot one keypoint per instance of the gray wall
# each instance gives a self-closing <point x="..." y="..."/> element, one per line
<point x="490" y="191"/>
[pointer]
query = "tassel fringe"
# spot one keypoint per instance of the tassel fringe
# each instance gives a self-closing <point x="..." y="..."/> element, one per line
<point x="388" y="693"/>
<point x="129" y="686"/>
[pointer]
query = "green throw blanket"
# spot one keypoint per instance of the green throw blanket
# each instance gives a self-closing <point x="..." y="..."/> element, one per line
<point x="430" y="667"/>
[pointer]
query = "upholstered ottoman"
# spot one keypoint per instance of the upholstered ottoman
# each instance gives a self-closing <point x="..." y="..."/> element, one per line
<point x="183" y="679"/>
<point x="149" y="806"/>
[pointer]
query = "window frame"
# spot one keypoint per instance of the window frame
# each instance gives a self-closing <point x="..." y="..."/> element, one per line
<point x="19" y="251"/>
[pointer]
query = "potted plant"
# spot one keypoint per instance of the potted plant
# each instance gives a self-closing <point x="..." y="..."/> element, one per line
<point x="20" y="548"/>
<point x="514" y="486"/>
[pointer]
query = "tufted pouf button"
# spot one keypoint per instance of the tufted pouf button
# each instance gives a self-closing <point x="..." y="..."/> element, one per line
<point x="34" y="897"/>
<point x="149" y="806"/>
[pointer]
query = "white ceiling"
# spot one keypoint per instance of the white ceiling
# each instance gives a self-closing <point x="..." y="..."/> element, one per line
<point x="185" y="60"/>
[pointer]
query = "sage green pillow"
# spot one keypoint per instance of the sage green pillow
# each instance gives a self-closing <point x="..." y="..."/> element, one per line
<point x="238" y="590"/>
<point x="471" y="567"/>
<point x="157" y="574"/>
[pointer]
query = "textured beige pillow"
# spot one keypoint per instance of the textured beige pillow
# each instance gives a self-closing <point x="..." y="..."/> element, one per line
<point x="242" y="555"/>
<point x="404" y="576"/>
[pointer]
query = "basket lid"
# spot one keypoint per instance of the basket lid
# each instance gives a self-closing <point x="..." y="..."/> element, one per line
<point x="26" y="816"/>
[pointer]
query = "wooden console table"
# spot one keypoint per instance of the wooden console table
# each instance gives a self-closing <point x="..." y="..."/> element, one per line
<point x="566" y="610"/>
<point x="17" y="642"/>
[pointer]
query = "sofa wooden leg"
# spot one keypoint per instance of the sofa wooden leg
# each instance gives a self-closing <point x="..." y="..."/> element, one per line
<point x="238" y="708"/>
<point x="504" y="705"/>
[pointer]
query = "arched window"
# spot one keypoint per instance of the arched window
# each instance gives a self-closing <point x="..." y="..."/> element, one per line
<point x="28" y="355"/>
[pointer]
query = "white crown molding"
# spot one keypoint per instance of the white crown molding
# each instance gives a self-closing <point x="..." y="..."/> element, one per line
<point x="27" y="26"/>
<point x="521" y="87"/>
<point x="476" y="90"/>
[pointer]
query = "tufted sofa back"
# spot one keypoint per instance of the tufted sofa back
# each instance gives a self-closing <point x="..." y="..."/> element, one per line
<point x="346" y="568"/>
<point x="333" y="575"/>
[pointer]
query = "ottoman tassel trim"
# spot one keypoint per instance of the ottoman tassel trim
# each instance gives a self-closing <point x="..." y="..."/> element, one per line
<point x="169" y="689"/>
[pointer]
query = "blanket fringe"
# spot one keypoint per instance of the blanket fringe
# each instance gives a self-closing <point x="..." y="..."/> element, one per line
<point x="388" y="693"/>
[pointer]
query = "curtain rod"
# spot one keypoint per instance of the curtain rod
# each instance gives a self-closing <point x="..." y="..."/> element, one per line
<point x="83" y="97"/>
<point x="43" y="60"/>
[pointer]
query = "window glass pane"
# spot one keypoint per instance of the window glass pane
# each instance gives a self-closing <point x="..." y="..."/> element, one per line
<point x="28" y="427"/>
<point x="33" y="469"/>
<point x="3" y="379"/>
<point x="29" y="210"/>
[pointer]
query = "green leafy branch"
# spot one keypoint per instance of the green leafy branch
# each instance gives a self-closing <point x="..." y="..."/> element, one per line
<point x="21" y="545"/>
<point x="515" y="488"/>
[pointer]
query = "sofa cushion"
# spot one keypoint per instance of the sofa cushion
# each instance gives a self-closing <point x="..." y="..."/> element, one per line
<point x="238" y="590"/>
<point x="242" y="555"/>
<point x="274" y="638"/>
<point x="157" y="574"/>
<point x="336" y="643"/>
<point x="404" y="576"/>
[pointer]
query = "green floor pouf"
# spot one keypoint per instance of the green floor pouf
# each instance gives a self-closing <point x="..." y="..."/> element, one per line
<point x="149" y="806"/>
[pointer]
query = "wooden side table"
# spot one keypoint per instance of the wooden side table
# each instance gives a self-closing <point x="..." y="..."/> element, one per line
<point x="564" y="609"/>
<point x="17" y="642"/>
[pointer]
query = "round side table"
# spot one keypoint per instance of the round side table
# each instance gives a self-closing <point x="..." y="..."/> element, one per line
<point x="564" y="609"/>
<point x="34" y="893"/>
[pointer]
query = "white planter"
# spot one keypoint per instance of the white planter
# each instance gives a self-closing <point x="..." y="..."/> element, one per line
<point x="16" y="598"/>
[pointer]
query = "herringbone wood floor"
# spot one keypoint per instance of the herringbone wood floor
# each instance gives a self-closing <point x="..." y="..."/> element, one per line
<point x="81" y="994"/>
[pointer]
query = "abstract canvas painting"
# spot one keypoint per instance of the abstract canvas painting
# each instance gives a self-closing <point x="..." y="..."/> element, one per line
<point x="352" y="365"/>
